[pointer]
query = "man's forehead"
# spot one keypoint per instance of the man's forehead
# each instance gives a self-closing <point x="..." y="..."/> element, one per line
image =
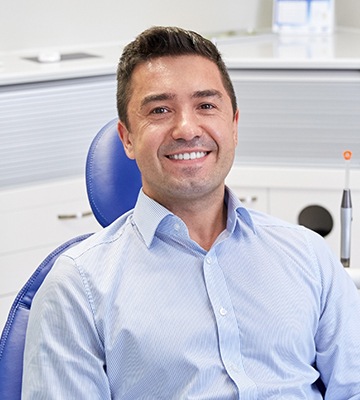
<point x="155" y="72"/>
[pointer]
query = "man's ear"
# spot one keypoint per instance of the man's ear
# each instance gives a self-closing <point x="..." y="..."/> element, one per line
<point x="126" y="139"/>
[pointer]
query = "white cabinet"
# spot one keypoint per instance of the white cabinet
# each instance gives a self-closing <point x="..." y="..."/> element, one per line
<point x="297" y="117"/>
<point x="46" y="127"/>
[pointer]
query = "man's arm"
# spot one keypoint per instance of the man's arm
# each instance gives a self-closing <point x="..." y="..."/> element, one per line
<point x="338" y="334"/>
<point x="64" y="356"/>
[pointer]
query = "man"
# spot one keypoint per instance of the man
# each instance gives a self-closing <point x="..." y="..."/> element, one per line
<point x="190" y="295"/>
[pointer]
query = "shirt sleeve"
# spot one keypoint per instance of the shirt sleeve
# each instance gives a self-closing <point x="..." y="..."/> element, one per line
<point x="338" y="334"/>
<point x="64" y="357"/>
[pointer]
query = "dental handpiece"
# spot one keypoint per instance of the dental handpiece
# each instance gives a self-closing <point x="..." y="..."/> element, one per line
<point x="346" y="216"/>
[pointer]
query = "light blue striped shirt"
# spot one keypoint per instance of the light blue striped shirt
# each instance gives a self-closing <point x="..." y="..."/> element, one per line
<point x="140" y="311"/>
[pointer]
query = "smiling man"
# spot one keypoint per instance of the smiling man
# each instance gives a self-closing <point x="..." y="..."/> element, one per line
<point x="190" y="295"/>
<point x="182" y="131"/>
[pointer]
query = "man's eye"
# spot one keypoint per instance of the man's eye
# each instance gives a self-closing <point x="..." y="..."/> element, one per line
<point x="207" y="106"/>
<point x="159" y="110"/>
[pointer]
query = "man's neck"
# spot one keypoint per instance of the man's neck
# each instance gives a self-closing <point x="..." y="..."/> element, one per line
<point x="204" y="220"/>
<point x="205" y="230"/>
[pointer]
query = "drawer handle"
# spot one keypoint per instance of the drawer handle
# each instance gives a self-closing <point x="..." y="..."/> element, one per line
<point x="248" y="199"/>
<point x="77" y="215"/>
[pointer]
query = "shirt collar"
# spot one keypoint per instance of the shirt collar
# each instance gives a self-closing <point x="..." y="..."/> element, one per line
<point x="148" y="214"/>
<point x="236" y="211"/>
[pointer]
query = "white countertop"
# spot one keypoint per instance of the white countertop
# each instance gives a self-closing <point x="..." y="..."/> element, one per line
<point x="338" y="51"/>
<point x="16" y="68"/>
<point x="256" y="51"/>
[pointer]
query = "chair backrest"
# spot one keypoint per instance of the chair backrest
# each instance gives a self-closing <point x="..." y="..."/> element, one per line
<point x="113" y="182"/>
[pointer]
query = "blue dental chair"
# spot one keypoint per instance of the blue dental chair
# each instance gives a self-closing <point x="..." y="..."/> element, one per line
<point x="113" y="182"/>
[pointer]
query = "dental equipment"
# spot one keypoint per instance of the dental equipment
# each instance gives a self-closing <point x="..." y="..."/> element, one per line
<point x="346" y="214"/>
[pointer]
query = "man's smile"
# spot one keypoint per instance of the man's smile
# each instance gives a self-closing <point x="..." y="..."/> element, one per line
<point x="188" y="156"/>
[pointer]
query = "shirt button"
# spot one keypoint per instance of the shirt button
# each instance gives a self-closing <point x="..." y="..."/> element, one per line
<point x="223" y="311"/>
<point x="177" y="227"/>
<point x="208" y="260"/>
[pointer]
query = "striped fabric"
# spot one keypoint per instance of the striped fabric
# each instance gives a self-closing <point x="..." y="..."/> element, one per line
<point x="140" y="311"/>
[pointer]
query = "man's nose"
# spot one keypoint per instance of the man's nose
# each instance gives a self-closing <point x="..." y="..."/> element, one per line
<point x="187" y="126"/>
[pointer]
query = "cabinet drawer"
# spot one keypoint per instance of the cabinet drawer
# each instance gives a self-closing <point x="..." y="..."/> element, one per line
<point x="48" y="225"/>
<point x="256" y="198"/>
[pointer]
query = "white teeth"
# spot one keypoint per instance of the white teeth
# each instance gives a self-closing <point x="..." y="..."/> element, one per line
<point x="188" y="156"/>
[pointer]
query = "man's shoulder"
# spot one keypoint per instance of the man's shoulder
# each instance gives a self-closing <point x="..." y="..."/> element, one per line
<point x="274" y="229"/>
<point x="262" y="219"/>
<point x="98" y="241"/>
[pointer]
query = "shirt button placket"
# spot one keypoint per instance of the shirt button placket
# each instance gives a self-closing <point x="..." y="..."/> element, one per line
<point x="228" y="333"/>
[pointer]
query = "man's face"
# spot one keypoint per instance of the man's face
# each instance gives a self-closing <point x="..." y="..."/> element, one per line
<point x="181" y="131"/>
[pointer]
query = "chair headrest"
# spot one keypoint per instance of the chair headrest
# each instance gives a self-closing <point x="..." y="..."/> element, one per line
<point x="113" y="180"/>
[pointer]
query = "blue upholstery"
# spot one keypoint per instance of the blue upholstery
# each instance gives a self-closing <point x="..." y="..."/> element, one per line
<point x="111" y="192"/>
<point x="113" y="182"/>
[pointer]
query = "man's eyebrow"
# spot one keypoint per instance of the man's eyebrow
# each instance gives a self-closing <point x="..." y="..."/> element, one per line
<point x="156" y="97"/>
<point x="170" y="96"/>
<point x="207" y="93"/>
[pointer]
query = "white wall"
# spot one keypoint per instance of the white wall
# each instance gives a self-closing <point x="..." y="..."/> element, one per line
<point x="28" y="24"/>
<point x="348" y="13"/>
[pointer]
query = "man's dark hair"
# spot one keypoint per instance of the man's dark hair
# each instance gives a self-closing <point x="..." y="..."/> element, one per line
<point x="161" y="42"/>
